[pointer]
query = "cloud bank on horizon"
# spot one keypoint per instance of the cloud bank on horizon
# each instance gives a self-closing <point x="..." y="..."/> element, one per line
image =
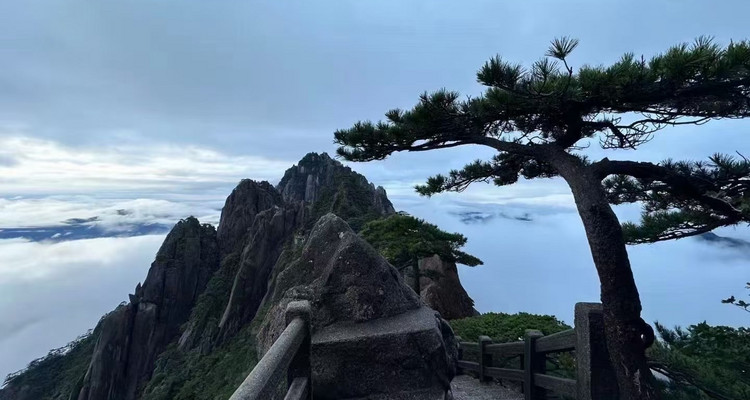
<point x="119" y="116"/>
<point x="52" y="292"/>
<point x="536" y="260"/>
<point x="36" y="167"/>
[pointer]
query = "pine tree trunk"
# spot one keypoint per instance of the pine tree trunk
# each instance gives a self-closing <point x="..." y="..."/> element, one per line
<point x="619" y="294"/>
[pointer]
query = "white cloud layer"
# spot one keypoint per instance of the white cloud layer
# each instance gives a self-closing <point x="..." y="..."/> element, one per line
<point x="112" y="214"/>
<point x="544" y="266"/>
<point x="33" y="166"/>
<point x="52" y="292"/>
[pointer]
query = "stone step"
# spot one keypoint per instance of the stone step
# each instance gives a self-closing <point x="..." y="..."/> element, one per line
<point x="386" y="358"/>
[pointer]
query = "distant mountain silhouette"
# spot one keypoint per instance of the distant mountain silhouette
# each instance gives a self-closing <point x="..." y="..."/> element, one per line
<point x="82" y="228"/>
<point x="725" y="241"/>
<point x="480" y="217"/>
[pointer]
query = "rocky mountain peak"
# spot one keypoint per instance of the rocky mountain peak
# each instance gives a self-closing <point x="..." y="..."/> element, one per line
<point x="365" y="321"/>
<point x="246" y="201"/>
<point x="329" y="186"/>
<point x="304" y="180"/>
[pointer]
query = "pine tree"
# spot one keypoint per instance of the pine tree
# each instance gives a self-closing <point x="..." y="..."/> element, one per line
<point x="703" y="361"/>
<point x="539" y="118"/>
<point x="404" y="240"/>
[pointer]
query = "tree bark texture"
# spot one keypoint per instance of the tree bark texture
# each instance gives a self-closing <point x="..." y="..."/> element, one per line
<point x="619" y="295"/>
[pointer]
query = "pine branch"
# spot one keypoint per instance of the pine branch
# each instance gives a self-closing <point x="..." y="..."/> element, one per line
<point x="685" y="379"/>
<point x="679" y="185"/>
<point x="680" y="199"/>
<point x="504" y="169"/>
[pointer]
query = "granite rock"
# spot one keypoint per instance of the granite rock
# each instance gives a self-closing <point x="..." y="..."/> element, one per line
<point x="136" y="333"/>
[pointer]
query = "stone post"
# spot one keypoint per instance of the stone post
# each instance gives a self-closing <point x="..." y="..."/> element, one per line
<point x="459" y="370"/>
<point x="595" y="375"/>
<point x="485" y="359"/>
<point x="533" y="363"/>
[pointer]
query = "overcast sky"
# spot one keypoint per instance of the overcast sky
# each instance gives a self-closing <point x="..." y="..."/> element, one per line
<point x="160" y="107"/>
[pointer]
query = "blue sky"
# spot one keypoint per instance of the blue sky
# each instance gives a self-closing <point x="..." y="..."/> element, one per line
<point x="145" y="112"/>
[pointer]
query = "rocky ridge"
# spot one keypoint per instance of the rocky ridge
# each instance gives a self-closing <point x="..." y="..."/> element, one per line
<point x="210" y="295"/>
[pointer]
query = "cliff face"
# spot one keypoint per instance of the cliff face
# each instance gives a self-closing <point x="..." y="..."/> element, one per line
<point x="441" y="288"/>
<point x="212" y="296"/>
<point x="246" y="201"/>
<point x="136" y="333"/>
<point x="271" y="230"/>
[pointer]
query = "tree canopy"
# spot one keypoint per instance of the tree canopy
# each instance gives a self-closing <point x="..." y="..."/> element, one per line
<point x="403" y="240"/>
<point x="525" y="112"/>
<point x="703" y="361"/>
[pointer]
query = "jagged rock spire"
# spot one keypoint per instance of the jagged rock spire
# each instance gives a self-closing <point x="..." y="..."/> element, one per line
<point x="246" y="201"/>
<point x="328" y="186"/>
<point x="134" y="334"/>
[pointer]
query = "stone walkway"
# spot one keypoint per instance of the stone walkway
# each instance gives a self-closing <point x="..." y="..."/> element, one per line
<point x="467" y="388"/>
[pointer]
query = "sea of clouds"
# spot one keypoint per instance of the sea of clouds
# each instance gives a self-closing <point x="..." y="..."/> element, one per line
<point x="536" y="257"/>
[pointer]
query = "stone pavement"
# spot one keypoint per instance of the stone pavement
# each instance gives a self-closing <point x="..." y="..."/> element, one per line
<point x="467" y="388"/>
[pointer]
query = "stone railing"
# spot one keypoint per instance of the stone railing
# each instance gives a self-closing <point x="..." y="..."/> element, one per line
<point x="288" y="358"/>
<point x="595" y="378"/>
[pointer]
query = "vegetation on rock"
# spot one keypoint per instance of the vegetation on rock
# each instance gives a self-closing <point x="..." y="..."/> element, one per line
<point x="403" y="240"/>
<point x="330" y="187"/>
<point x="350" y="199"/>
<point x="501" y="327"/>
<point x="58" y="374"/>
<point x="187" y="375"/>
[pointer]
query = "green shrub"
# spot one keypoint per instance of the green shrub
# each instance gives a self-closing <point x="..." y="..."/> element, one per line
<point x="703" y="362"/>
<point x="190" y="375"/>
<point x="503" y="327"/>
